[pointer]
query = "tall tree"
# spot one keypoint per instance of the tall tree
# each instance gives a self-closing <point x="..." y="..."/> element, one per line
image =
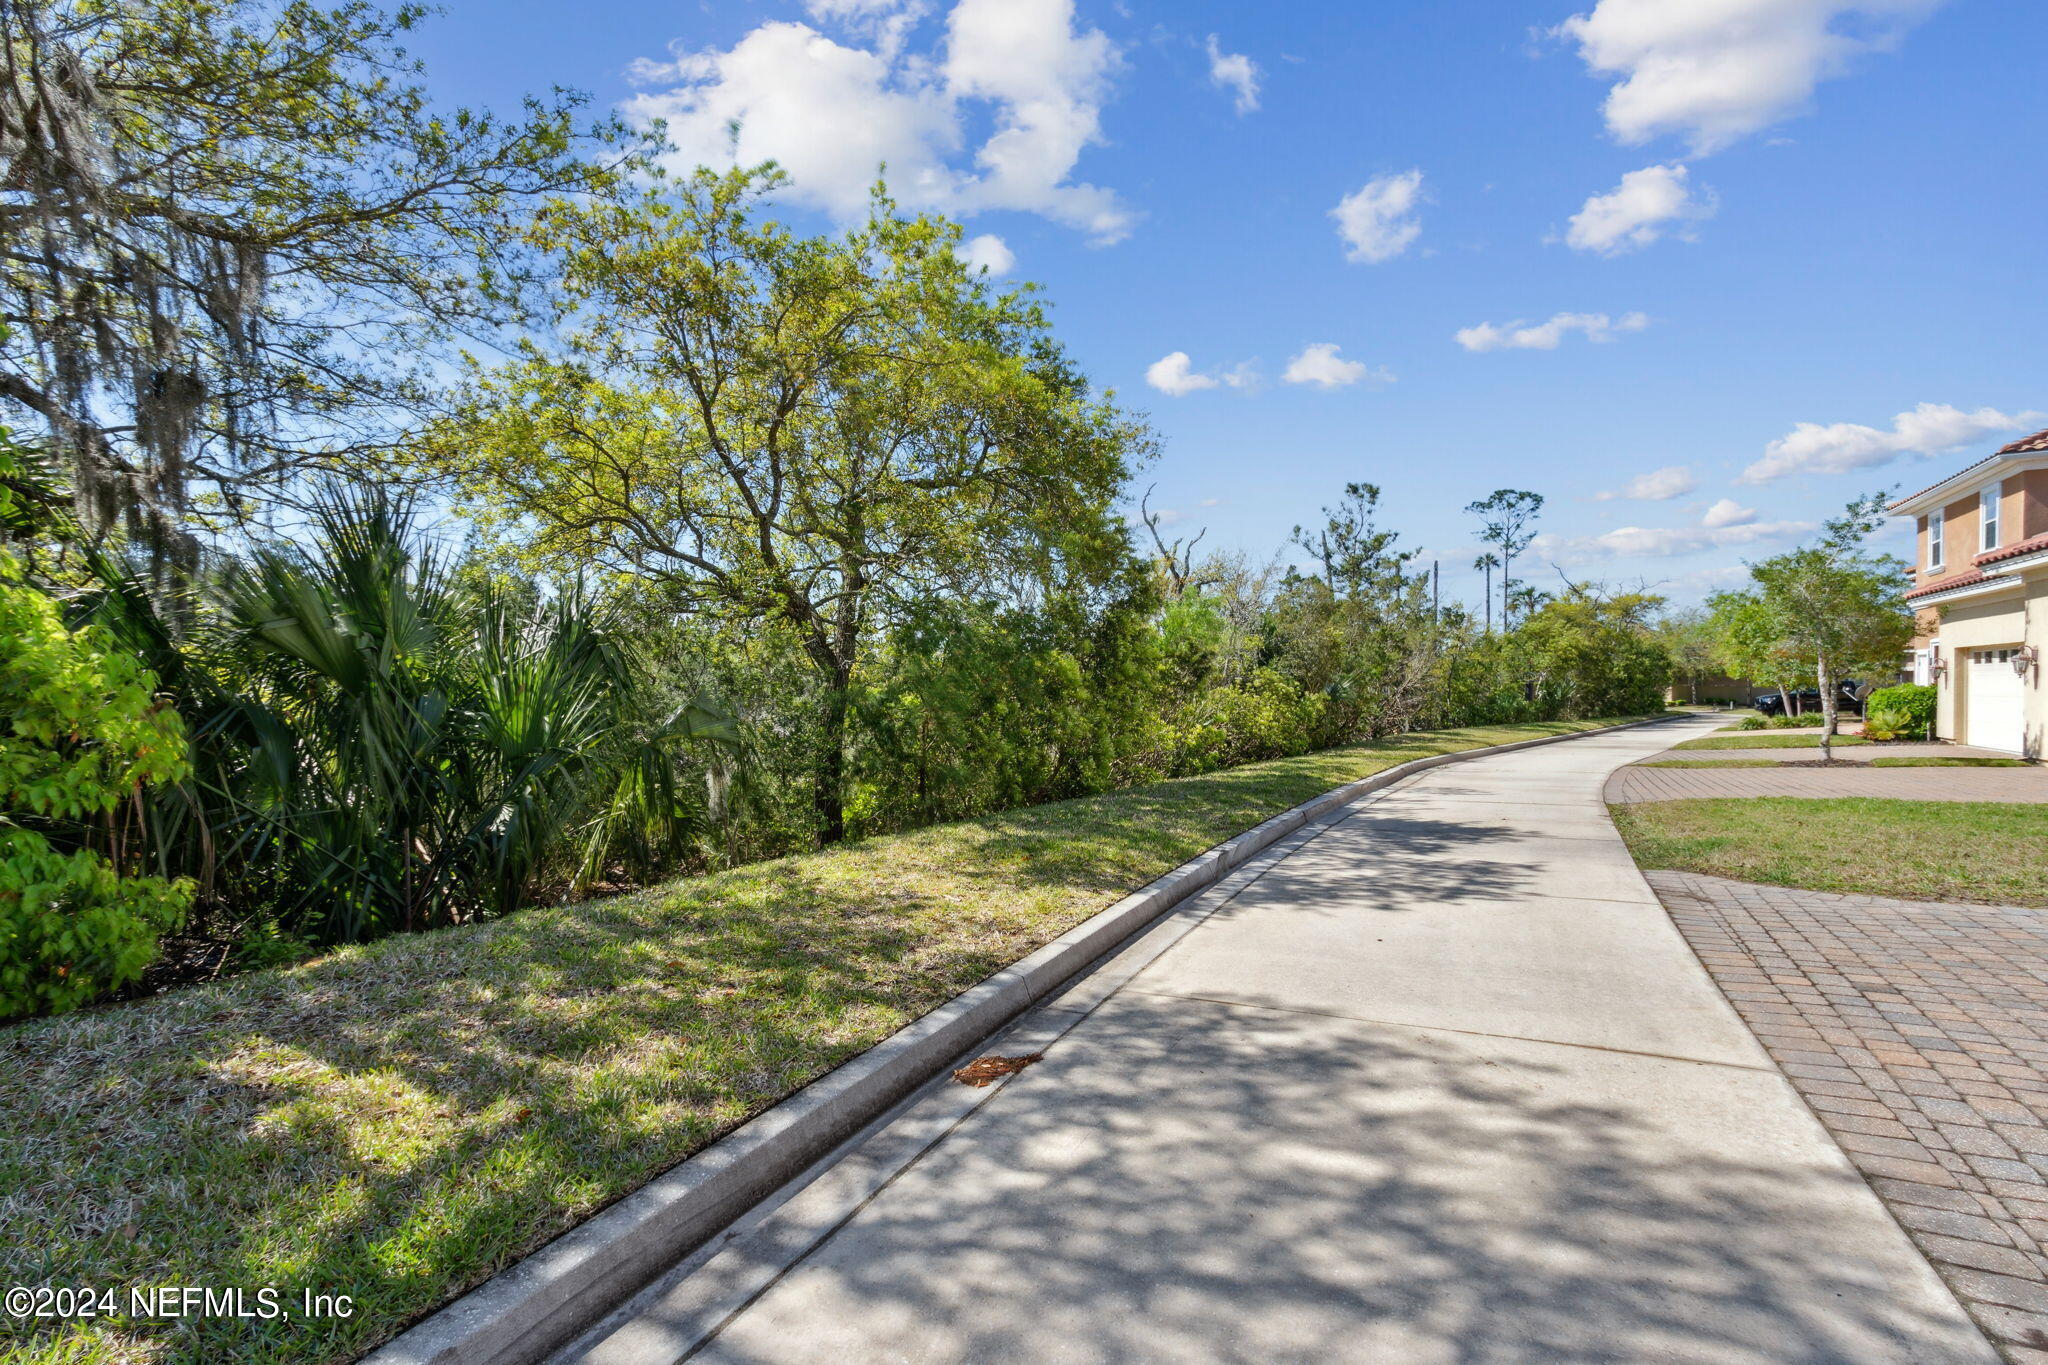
<point x="795" y="433"/>
<point x="1175" y="557"/>
<point x="1508" y="517"/>
<point x="231" y="233"/>
<point x="1747" y="644"/>
<point x="1486" y="564"/>
<point x="1356" y="554"/>
<point x="1833" y="607"/>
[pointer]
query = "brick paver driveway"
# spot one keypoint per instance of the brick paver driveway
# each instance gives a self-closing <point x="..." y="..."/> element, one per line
<point x="1919" y="1035"/>
<point x="2028" y="785"/>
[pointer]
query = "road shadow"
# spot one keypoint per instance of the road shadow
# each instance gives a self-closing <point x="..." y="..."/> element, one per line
<point x="1182" y="1182"/>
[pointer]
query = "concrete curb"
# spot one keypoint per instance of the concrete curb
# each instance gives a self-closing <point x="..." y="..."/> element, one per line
<point x="524" y="1313"/>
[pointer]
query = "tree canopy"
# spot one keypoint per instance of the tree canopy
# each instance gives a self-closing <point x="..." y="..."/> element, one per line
<point x="1827" y="610"/>
<point x="232" y="234"/>
<point x="799" y="432"/>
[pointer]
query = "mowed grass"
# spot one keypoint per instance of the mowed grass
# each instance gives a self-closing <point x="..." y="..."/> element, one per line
<point x="398" y="1121"/>
<point x="1989" y="853"/>
<point x="1764" y="739"/>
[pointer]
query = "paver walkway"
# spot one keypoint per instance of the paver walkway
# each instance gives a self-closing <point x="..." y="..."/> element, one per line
<point x="2028" y="785"/>
<point x="1435" y="1083"/>
<point x="1919" y="1034"/>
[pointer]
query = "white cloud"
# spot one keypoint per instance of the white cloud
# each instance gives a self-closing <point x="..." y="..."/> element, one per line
<point x="1728" y="512"/>
<point x="1245" y="375"/>
<point x="1660" y="542"/>
<point x="1175" y="375"/>
<point x="887" y="22"/>
<point x="1638" y="211"/>
<point x="1928" y="429"/>
<point x="1377" y="220"/>
<point x="1544" y="336"/>
<point x="1047" y="83"/>
<point x="1672" y="481"/>
<point x="1237" y="73"/>
<point x="991" y="253"/>
<point x="1319" y="364"/>
<point x="1714" y="71"/>
<point x="832" y="114"/>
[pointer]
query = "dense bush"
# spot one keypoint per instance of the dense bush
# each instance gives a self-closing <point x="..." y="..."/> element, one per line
<point x="1788" y="720"/>
<point x="410" y="745"/>
<point x="1902" y="712"/>
<point x="83" y="732"/>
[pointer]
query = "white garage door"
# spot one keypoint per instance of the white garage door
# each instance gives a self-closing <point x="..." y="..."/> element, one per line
<point x="1994" y="708"/>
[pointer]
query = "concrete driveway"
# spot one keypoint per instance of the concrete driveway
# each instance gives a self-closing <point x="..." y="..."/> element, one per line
<point x="1437" y="1081"/>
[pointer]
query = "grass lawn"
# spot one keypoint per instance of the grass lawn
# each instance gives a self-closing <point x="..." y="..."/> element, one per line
<point x="1764" y="739"/>
<point x="1990" y="853"/>
<point x="398" y="1121"/>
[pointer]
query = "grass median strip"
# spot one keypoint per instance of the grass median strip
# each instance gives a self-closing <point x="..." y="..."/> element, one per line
<point x="1977" y="851"/>
<point x="398" y="1121"/>
<point x="1755" y="739"/>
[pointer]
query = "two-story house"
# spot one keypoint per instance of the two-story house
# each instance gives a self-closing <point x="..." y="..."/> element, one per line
<point x="1980" y="592"/>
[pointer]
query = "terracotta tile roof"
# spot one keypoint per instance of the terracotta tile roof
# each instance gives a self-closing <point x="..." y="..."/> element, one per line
<point x="1975" y="574"/>
<point x="2023" y="547"/>
<point x="2027" y="445"/>
<point x="1988" y="459"/>
<point x="1954" y="580"/>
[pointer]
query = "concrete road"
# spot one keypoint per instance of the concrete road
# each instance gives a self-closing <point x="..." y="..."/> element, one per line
<point x="1436" y="1081"/>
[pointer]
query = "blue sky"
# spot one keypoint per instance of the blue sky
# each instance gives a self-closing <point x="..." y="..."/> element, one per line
<point x="1744" y="258"/>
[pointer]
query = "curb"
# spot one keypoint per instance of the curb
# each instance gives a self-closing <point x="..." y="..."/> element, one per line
<point x="524" y="1313"/>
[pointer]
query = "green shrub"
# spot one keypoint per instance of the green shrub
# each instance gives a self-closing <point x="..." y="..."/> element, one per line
<point x="71" y="927"/>
<point x="1906" y="711"/>
<point x="83" y="732"/>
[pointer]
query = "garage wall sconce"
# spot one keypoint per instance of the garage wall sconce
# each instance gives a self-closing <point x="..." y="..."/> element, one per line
<point x="2024" y="658"/>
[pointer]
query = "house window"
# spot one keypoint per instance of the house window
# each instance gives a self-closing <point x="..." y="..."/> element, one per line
<point x="1987" y="516"/>
<point x="1934" y="520"/>
<point x="1923" y="667"/>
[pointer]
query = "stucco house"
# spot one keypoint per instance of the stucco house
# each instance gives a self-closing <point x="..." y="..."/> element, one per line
<point x="1980" y="593"/>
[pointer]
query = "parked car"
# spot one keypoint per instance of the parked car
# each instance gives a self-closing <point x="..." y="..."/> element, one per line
<point x="1849" y="696"/>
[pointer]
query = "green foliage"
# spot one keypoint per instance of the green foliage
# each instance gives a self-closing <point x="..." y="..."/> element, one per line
<point x="1783" y="721"/>
<point x="71" y="927"/>
<point x="1269" y="717"/>
<point x="83" y="733"/>
<point x="1902" y="712"/>
<point x="238" y="230"/>
<point x="1827" y="610"/>
<point x="980" y="709"/>
<point x="1590" y="656"/>
<point x="805" y="434"/>
<point x="409" y="746"/>
<point x="1688" y="637"/>
<point x="32" y="502"/>
<point x="1507" y="522"/>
